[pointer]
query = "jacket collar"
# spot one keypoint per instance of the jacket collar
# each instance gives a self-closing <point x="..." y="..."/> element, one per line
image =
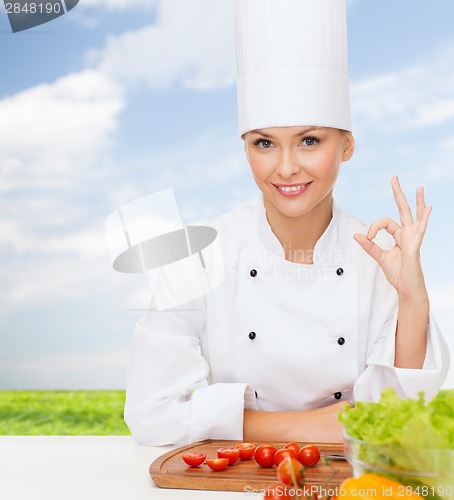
<point x="325" y="248"/>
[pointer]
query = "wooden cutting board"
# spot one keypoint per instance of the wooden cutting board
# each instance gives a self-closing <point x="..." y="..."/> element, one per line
<point x="169" y="470"/>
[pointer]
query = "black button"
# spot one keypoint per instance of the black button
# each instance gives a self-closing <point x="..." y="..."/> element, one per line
<point x="253" y="273"/>
<point x="252" y="335"/>
<point x="338" y="395"/>
<point x="341" y="341"/>
<point x="339" y="271"/>
<point x="256" y="395"/>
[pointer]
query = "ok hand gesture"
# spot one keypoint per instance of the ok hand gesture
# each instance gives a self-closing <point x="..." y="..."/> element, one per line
<point x="401" y="264"/>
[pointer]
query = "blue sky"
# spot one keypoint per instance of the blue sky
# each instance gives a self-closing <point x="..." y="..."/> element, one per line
<point x="122" y="98"/>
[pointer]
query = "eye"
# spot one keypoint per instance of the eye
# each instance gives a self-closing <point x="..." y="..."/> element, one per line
<point x="310" y="141"/>
<point x="265" y="143"/>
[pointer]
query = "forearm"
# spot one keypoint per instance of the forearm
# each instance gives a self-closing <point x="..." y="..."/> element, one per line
<point x="320" y="424"/>
<point x="411" y="341"/>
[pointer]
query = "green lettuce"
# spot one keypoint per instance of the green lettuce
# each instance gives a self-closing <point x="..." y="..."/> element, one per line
<point x="406" y="435"/>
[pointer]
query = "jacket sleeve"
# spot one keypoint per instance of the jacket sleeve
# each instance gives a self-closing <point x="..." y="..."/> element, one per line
<point x="379" y="370"/>
<point x="169" y="399"/>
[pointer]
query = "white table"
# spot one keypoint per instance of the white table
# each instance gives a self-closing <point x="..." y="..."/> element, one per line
<point x="85" y="468"/>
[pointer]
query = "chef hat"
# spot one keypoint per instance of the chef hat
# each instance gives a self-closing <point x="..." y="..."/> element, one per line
<point x="292" y="63"/>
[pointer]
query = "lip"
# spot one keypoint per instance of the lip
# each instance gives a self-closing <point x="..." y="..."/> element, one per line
<point x="292" y="194"/>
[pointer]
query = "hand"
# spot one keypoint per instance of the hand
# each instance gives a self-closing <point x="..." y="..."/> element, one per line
<point x="325" y="426"/>
<point x="401" y="264"/>
<point x="318" y="424"/>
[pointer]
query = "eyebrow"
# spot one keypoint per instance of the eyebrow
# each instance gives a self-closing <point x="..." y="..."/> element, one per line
<point x="269" y="136"/>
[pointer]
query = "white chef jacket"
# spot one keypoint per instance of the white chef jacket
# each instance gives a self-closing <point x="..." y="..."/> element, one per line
<point x="285" y="336"/>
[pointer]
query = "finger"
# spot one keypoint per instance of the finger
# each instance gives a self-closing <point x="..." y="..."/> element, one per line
<point x="387" y="223"/>
<point x="422" y="223"/>
<point x="406" y="218"/>
<point x="370" y="247"/>
<point x="420" y="203"/>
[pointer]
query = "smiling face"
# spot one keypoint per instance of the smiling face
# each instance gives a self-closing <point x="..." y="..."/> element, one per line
<point x="296" y="167"/>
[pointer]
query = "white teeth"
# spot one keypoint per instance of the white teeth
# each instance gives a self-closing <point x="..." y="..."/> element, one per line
<point x="290" y="189"/>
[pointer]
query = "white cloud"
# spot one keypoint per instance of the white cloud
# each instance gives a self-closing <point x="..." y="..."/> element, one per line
<point x="47" y="269"/>
<point x="52" y="130"/>
<point x="415" y="97"/>
<point x="440" y="167"/>
<point x="191" y="44"/>
<point x="55" y="143"/>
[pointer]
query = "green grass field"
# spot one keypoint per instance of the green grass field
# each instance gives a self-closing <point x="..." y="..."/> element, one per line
<point x="64" y="413"/>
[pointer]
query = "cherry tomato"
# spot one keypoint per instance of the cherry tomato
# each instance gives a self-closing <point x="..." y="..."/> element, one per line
<point x="276" y="491"/>
<point x="264" y="455"/>
<point x="217" y="463"/>
<point x="290" y="469"/>
<point x="233" y="454"/>
<point x="246" y="450"/>
<point x="293" y="446"/>
<point x="284" y="452"/>
<point x="309" y="455"/>
<point x="194" y="459"/>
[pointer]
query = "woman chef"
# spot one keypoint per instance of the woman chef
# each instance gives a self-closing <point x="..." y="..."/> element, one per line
<point x="316" y="309"/>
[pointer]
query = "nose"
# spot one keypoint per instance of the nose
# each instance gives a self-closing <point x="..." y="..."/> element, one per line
<point x="288" y="164"/>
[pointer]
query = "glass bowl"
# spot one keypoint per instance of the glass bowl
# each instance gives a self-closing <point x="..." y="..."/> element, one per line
<point x="429" y="472"/>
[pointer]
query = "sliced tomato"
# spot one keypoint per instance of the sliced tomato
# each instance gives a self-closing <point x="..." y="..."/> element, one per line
<point x="309" y="455"/>
<point x="264" y="455"/>
<point x="233" y="454"/>
<point x="276" y="491"/>
<point x="293" y="446"/>
<point x="282" y="453"/>
<point x="246" y="450"/>
<point x="217" y="463"/>
<point x="290" y="471"/>
<point x="194" y="459"/>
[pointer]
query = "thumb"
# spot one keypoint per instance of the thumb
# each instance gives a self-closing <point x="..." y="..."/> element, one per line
<point x="369" y="247"/>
